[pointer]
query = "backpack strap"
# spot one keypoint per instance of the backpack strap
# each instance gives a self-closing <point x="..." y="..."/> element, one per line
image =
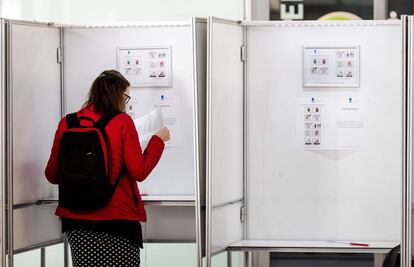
<point x="72" y="120"/>
<point x="133" y="193"/>
<point x="104" y="120"/>
<point x="100" y="124"/>
<point x="392" y="257"/>
<point x="121" y="174"/>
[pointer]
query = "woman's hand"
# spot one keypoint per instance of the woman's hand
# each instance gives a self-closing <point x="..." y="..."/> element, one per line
<point x="164" y="134"/>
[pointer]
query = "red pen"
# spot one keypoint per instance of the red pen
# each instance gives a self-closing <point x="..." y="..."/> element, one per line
<point x="351" y="243"/>
<point x="359" y="244"/>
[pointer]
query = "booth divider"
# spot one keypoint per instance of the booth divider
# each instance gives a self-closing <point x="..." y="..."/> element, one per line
<point x="49" y="71"/>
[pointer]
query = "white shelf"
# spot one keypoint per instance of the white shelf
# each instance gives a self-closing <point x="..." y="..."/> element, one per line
<point x="312" y="246"/>
<point x="151" y="200"/>
<point x="168" y="197"/>
<point x="168" y="200"/>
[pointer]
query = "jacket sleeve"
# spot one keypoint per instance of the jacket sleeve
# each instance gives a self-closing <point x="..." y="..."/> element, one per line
<point x="51" y="170"/>
<point x="139" y="165"/>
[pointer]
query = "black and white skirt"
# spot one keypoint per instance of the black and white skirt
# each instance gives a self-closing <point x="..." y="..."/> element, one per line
<point x="99" y="249"/>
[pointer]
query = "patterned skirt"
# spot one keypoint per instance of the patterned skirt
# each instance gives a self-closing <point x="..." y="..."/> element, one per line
<point x="96" y="249"/>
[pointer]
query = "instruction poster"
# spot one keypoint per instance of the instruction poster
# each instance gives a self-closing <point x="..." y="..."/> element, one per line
<point x="152" y="110"/>
<point x="336" y="123"/>
<point x="331" y="66"/>
<point x="146" y="66"/>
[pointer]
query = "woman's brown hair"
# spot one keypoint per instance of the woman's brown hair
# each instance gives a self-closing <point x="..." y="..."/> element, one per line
<point x="107" y="93"/>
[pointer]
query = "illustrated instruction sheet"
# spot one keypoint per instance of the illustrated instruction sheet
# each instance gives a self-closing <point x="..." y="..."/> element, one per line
<point x="336" y="123"/>
<point x="146" y="66"/>
<point x="331" y="66"/>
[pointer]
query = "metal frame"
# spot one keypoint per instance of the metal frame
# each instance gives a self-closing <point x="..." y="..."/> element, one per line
<point x="245" y="133"/>
<point x="184" y="23"/>
<point x="31" y="23"/>
<point x="63" y="112"/>
<point x="196" y="150"/>
<point x="197" y="173"/>
<point x="9" y="152"/>
<point x="228" y="203"/>
<point x="38" y="246"/>
<point x="226" y="21"/>
<point x="407" y="24"/>
<point x="315" y="23"/>
<point x="208" y="141"/>
<point x="247" y="256"/>
<point x="405" y="218"/>
<point x="3" y="140"/>
<point x="310" y="249"/>
<point x="62" y="73"/>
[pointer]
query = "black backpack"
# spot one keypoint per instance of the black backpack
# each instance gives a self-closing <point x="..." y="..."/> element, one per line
<point x="393" y="258"/>
<point x="83" y="165"/>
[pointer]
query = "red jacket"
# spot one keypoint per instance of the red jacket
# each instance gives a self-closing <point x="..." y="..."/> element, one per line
<point x="123" y="146"/>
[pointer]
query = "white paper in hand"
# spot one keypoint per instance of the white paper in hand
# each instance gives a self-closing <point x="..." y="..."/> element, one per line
<point x="148" y="125"/>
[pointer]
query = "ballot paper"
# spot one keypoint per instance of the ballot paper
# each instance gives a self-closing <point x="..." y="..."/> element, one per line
<point x="148" y="124"/>
<point x="169" y="103"/>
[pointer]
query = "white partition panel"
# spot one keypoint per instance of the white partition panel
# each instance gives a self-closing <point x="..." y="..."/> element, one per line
<point x="200" y="63"/>
<point x="224" y="135"/>
<point x="170" y="224"/>
<point x="3" y="155"/>
<point x="35" y="109"/>
<point x="226" y="226"/>
<point x="89" y="51"/>
<point x="225" y="112"/>
<point x="298" y="194"/>
<point x="34" y="226"/>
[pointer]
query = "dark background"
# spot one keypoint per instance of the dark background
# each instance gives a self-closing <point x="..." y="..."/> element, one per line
<point x="313" y="9"/>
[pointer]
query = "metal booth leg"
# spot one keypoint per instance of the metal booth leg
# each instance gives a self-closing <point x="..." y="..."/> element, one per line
<point x="260" y="258"/>
<point x="229" y="261"/>
<point x="65" y="251"/>
<point x="43" y="257"/>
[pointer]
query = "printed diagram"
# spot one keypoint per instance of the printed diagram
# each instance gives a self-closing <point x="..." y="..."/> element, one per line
<point x="146" y="67"/>
<point x="312" y="126"/>
<point x="345" y="64"/>
<point x="319" y="66"/>
<point x="331" y="123"/>
<point x="331" y="66"/>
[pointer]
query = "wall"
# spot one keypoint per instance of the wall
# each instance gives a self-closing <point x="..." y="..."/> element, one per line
<point x="109" y="11"/>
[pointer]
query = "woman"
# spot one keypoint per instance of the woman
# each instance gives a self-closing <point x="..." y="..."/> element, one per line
<point x="110" y="236"/>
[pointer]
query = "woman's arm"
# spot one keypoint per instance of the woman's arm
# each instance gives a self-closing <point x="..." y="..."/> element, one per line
<point x="139" y="165"/>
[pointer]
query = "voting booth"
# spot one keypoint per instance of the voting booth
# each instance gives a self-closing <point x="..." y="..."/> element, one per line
<point x="47" y="71"/>
<point x="301" y="141"/>
<point x="306" y="136"/>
